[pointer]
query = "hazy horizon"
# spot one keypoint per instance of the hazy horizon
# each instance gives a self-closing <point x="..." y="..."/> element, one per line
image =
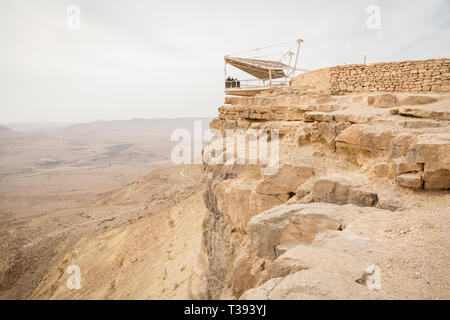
<point x="50" y="126"/>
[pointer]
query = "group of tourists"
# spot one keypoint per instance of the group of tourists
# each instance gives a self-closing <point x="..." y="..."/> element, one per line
<point x="232" y="83"/>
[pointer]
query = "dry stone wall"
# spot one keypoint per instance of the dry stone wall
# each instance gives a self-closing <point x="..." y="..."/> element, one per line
<point x="319" y="79"/>
<point x="407" y="76"/>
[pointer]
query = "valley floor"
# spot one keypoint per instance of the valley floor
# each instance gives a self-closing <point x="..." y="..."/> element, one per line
<point x="36" y="250"/>
<point x="143" y="242"/>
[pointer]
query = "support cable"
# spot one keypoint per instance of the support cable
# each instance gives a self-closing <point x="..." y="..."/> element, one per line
<point x="325" y="52"/>
<point x="257" y="49"/>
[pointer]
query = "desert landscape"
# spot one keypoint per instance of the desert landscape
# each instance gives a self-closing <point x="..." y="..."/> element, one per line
<point x="57" y="187"/>
<point x="362" y="182"/>
<point x="232" y="155"/>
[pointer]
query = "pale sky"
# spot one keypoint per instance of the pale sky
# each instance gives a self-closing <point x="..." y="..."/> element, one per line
<point x="160" y="59"/>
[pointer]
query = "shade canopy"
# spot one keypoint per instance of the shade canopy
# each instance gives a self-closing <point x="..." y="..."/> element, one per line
<point x="261" y="69"/>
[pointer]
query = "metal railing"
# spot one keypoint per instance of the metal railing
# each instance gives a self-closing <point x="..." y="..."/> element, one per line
<point x="253" y="83"/>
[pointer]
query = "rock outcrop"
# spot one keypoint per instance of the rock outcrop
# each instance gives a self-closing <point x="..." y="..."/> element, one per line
<point x="300" y="233"/>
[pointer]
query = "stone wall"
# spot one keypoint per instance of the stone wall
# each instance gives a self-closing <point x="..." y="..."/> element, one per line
<point x="407" y="76"/>
<point x="319" y="79"/>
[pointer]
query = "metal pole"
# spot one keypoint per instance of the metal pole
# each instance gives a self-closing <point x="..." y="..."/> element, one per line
<point x="299" y="41"/>
<point x="365" y="58"/>
<point x="290" y="58"/>
<point x="290" y="53"/>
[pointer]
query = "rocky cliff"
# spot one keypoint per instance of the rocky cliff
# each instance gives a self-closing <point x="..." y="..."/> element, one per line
<point x="362" y="183"/>
<point x="351" y="201"/>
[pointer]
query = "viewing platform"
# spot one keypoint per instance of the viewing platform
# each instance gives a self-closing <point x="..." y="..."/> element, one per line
<point x="267" y="73"/>
<point x="250" y="87"/>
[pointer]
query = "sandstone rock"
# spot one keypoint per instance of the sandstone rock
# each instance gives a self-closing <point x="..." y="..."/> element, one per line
<point x="313" y="284"/>
<point x="282" y="267"/>
<point x="410" y="180"/>
<point x="294" y="116"/>
<point x="318" y="116"/>
<point x="401" y="165"/>
<point x="383" y="101"/>
<point x="246" y="246"/>
<point x="326" y="107"/>
<point x="346" y="116"/>
<point x="393" y="111"/>
<point x="318" y="132"/>
<point x="416" y="100"/>
<point x="285" y="181"/>
<point x="306" y="257"/>
<point x="237" y="170"/>
<point x="304" y="189"/>
<point x="365" y="137"/>
<point x="302" y="136"/>
<point x="227" y="259"/>
<point x="430" y="148"/>
<point x="433" y="150"/>
<point x="290" y="225"/>
<point x="400" y="145"/>
<point x="261" y="292"/>
<point x="380" y="169"/>
<point x="390" y="202"/>
<point x="424" y="113"/>
<point x="436" y="176"/>
<point x="331" y="191"/>
<point x="238" y="200"/>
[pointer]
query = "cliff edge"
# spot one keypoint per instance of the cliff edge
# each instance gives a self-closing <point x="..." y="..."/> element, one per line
<point x="359" y="197"/>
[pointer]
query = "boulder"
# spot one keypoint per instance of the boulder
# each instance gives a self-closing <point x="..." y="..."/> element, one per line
<point x="416" y="100"/>
<point x="401" y="165"/>
<point x="237" y="199"/>
<point x="307" y="257"/>
<point x="432" y="150"/>
<point x="380" y="169"/>
<point x="366" y="137"/>
<point x="331" y="191"/>
<point x="424" y="113"/>
<point x="318" y="116"/>
<point x="400" y="144"/>
<point x="352" y="117"/>
<point x="291" y="225"/>
<point x="285" y="181"/>
<point x="313" y="284"/>
<point x="410" y="180"/>
<point x="382" y="101"/>
<point x="436" y="176"/>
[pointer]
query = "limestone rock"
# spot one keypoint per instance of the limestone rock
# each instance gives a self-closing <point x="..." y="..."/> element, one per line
<point x="307" y="257"/>
<point x="282" y="267"/>
<point x="261" y="292"/>
<point x="318" y="116"/>
<point x="416" y="100"/>
<point x="400" y="145"/>
<point x="424" y="113"/>
<point x="238" y="200"/>
<point x="433" y="150"/>
<point x="313" y="284"/>
<point x="285" y="181"/>
<point x="436" y="176"/>
<point x="346" y="116"/>
<point x="291" y="225"/>
<point x="410" y="180"/>
<point x="383" y="101"/>
<point x="401" y="165"/>
<point x="331" y="191"/>
<point x="380" y="169"/>
<point x="365" y="137"/>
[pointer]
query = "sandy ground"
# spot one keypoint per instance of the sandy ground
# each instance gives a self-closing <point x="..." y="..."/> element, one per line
<point x="57" y="188"/>
<point x="136" y="235"/>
